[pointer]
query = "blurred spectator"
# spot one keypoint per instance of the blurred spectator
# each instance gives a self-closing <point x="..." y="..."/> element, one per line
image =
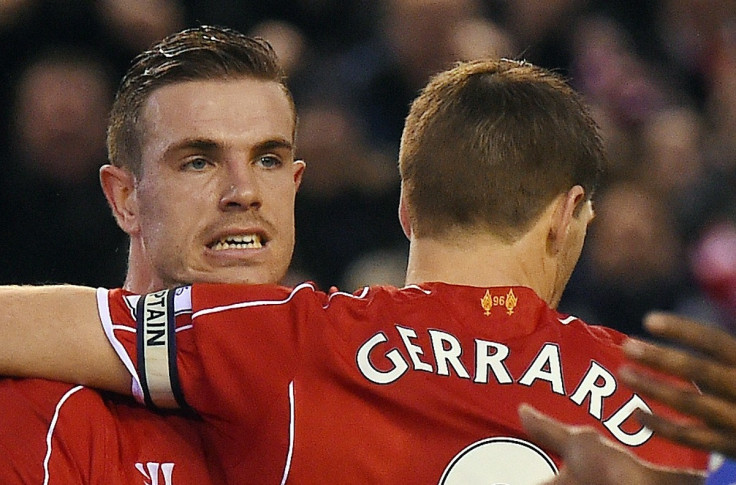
<point x="287" y="40"/>
<point x="136" y="24"/>
<point x="12" y="10"/>
<point x="691" y="34"/>
<point x="56" y="223"/>
<point x="116" y="29"/>
<point x="607" y="69"/>
<point x="26" y="27"/>
<point x="307" y="69"/>
<point x="673" y="165"/>
<point x="633" y="262"/>
<point x="347" y="203"/>
<point x="413" y="40"/>
<point x="330" y="25"/>
<point x="721" y="102"/>
<point x="620" y="143"/>
<point x="544" y="30"/>
<point x="672" y="158"/>
<point x="713" y="262"/>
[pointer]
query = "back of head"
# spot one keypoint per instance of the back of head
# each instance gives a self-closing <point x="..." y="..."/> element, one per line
<point x="489" y="144"/>
<point x="196" y="54"/>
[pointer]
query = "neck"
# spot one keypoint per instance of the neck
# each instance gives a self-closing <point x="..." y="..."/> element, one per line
<point x="482" y="260"/>
<point x="140" y="277"/>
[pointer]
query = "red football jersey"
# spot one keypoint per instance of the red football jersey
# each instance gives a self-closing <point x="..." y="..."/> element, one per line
<point x="416" y="385"/>
<point x="54" y="433"/>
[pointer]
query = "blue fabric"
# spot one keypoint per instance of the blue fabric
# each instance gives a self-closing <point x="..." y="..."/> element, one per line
<point x="722" y="471"/>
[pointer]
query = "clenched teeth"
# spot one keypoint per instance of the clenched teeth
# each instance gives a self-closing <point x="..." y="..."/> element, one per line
<point x="246" y="241"/>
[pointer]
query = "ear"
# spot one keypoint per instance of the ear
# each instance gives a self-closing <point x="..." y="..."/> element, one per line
<point x="404" y="219"/>
<point x="118" y="184"/>
<point x="566" y="208"/>
<point x="299" y="167"/>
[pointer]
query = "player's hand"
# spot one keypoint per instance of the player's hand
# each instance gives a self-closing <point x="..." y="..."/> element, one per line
<point x="709" y="360"/>
<point x="591" y="459"/>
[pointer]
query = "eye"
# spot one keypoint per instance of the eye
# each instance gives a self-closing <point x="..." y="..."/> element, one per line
<point x="196" y="164"/>
<point x="269" y="161"/>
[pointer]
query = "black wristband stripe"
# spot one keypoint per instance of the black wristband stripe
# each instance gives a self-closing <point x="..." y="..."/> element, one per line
<point x="173" y="367"/>
<point x="140" y="339"/>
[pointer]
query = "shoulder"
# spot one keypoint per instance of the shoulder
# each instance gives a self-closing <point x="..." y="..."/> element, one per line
<point x="38" y="418"/>
<point x="604" y="335"/>
<point x="31" y="396"/>
<point x="210" y="297"/>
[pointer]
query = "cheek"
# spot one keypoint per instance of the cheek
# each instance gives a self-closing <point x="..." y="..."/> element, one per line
<point x="283" y="218"/>
<point x="164" y="215"/>
<point x="282" y="199"/>
<point x="154" y="206"/>
<point x="171" y="198"/>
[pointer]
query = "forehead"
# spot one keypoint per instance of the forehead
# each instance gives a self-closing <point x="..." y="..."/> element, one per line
<point x="238" y="113"/>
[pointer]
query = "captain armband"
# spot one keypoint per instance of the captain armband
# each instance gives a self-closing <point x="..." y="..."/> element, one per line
<point x="156" y="343"/>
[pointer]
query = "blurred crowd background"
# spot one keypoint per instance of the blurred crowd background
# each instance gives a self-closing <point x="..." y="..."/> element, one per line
<point x="659" y="75"/>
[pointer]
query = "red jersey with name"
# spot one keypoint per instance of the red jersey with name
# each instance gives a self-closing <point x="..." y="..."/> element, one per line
<point x="55" y="433"/>
<point x="417" y="385"/>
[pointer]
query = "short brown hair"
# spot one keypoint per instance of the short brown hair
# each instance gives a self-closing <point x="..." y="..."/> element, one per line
<point x="201" y="53"/>
<point x="490" y="143"/>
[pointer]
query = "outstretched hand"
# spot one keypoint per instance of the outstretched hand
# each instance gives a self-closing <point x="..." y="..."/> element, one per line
<point x="705" y="355"/>
<point x="591" y="459"/>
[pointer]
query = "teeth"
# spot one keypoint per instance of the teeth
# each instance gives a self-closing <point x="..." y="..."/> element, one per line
<point x="243" y="241"/>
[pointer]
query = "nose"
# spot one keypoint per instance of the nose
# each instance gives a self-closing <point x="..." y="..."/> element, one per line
<point x="240" y="189"/>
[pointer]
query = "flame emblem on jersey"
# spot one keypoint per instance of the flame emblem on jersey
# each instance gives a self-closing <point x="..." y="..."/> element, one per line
<point x="511" y="301"/>
<point x="489" y="301"/>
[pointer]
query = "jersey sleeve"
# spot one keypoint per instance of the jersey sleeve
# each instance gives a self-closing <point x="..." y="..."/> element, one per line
<point x="142" y="329"/>
<point x="118" y="323"/>
<point x="222" y="350"/>
<point x="209" y="347"/>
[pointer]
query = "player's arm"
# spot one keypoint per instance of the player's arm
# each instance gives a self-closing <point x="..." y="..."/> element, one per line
<point x="706" y="356"/>
<point x="591" y="459"/>
<point x="54" y="332"/>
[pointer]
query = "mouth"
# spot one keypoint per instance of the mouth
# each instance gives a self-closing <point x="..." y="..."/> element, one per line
<point x="238" y="241"/>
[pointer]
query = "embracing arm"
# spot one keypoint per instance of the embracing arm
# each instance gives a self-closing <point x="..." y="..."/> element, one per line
<point x="54" y="332"/>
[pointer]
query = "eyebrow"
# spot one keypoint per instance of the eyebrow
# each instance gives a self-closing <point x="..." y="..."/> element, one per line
<point x="276" y="144"/>
<point x="201" y="144"/>
<point x="210" y="145"/>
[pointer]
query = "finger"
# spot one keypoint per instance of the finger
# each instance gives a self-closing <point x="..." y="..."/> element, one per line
<point x="696" y="436"/>
<point x="711" y="409"/>
<point x="543" y="429"/>
<point x="705" y="338"/>
<point x="548" y="433"/>
<point x="589" y="458"/>
<point x="716" y="378"/>
<point x="563" y="478"/>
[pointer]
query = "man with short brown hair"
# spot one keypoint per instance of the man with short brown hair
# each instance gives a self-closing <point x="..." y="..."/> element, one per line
<point x="203" y="180"/>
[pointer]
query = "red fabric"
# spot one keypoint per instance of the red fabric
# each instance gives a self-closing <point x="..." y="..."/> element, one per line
<point x="60" y="434"/>
<point x="358" y="418"/>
